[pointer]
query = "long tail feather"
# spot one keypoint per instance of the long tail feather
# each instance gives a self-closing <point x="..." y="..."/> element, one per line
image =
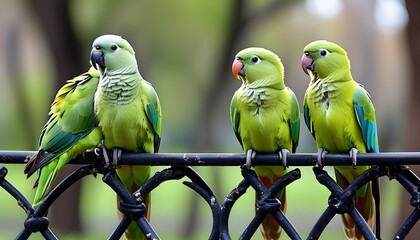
<point x="40" y="159"/>
<point x="133" y="178"/>
<point x="270" y="228"/>
<point x="364" y="204"/>
<point x="45" y="181"/>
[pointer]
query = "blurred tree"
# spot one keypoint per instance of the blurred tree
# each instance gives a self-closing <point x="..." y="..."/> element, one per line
<point x="55" y="22"/>
<point x="13" y="53"/>
<point x="413" y="127"/>
<point x="241" y="20"/>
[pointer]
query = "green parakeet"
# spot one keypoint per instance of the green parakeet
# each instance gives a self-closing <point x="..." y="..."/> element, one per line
<point x="265" y="118"/>
<point x="69" y="131"/>
<point x="127" y="109"/>
<point x="340" y="115"/>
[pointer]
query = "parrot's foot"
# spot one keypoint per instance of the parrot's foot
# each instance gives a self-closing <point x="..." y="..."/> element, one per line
<point x="320" y="156"/>
<point x="283" y="157"/>
<point x="116" y="156"/>
<point x="353" y="156"/>
<point x="250" y="155"/>
<point x="100" y="151"/>
<point x="87" y="151"/>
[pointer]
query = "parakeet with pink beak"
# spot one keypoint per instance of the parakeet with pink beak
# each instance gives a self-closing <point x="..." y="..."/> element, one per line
<point x="340" y="115"/>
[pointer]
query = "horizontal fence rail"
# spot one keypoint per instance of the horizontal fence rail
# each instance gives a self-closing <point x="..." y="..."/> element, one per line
<point x="391" y="165"/>
<point x="233" y="159"/>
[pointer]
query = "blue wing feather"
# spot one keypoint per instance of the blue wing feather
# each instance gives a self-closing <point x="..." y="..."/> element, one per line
<point x="365" y="113"/>
<point x="153" y="111"/>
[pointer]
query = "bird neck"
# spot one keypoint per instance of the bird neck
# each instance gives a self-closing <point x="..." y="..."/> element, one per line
<point x="120" y="86"/>
<point x="268" y="82"/>
<point x="127" y="70"/>
<point x="339" y="75"/>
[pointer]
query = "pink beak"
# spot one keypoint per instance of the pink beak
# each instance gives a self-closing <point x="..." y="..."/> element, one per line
<point x="307" y="63"/>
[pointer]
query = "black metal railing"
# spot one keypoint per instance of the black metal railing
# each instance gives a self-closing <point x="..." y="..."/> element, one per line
<point x="392" y="165"/>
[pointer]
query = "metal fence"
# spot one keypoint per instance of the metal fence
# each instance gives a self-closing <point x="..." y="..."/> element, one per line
<point x="392" y="165"/>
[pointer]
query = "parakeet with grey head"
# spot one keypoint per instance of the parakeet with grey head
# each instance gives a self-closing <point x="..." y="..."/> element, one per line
<point x="127" y="110"/>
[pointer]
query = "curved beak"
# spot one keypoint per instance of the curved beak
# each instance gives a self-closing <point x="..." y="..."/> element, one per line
<point x="307" y="63"/>
<point x="97" y="59"/>
<point x="238" y="69"/>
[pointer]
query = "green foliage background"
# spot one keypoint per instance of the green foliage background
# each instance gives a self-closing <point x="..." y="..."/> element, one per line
<point x="179" y="46"/>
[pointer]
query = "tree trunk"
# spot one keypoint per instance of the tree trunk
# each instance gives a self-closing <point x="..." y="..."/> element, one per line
<point x="55" y="22"/>
<point x="413" y="127"/>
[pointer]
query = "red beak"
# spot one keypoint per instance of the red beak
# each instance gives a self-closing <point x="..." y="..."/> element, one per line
<point x="238" y="68"/>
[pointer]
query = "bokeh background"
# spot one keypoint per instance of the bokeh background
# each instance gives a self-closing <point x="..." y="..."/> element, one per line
<point x="185" y="49"/>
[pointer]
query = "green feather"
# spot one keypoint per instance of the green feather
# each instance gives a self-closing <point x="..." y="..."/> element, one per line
<point x="68" y="132"/>
<point x="265" y="117"/>
<point x="294" y="120"/>
<point x="340" y="115"/>
<point x="128" y="111"/>
<point x="365" y="113"/>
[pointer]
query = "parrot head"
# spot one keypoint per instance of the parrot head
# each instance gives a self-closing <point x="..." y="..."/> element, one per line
<point x="325" y="60"/>
<point x="110" y="53"/>
<point x="254" y="64"/>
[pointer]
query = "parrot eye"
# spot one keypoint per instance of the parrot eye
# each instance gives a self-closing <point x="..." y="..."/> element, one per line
<point x="114" y="47"/>
<point x="323" y="52"/>
<point x="97" y="48"/>
<point x="255" y="59"/>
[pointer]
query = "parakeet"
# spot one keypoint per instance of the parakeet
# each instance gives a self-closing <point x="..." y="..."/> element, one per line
<point x="69" y="131"/>
<point x="340" y="115"/>
<point x="265" y="118"/>
<point x="127" y="110"/>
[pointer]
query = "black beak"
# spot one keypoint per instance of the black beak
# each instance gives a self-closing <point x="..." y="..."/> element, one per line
<point x="97" y="59"/>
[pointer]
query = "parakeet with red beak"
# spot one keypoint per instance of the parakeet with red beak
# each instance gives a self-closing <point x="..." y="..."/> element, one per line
<point x="340" y="115"/>
<point x="265" y="118"/>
